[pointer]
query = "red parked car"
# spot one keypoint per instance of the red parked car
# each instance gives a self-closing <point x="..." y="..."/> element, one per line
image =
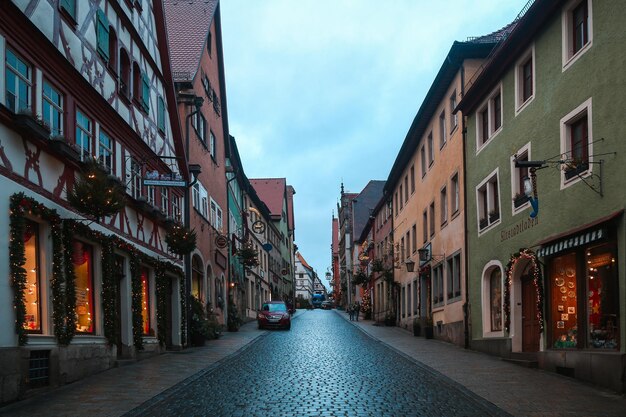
<point x="274" y="314"/>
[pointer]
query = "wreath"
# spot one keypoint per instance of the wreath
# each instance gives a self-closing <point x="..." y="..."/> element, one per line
<point x="248" y="256"/>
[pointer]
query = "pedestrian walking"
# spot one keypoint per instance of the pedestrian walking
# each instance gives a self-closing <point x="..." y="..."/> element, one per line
<point x="351" y="312"/>
<point x="357" y="310"/>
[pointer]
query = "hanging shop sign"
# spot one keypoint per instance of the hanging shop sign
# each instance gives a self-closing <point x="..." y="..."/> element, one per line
<point x="268" y="247"/>
<point x="221" y="241"/>
<point x="164" y="180"/>
<point x="572" y="242"/>
<point x="258" y="227"/>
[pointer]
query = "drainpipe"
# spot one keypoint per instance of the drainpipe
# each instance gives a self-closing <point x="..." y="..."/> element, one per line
<point x="466" y="305"/>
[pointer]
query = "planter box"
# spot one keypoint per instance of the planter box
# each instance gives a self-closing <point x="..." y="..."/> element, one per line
<point x="493" y="217"/>
<point x="28" y="125"/>
<point x="520" y="200"/>
<point x="65" y="149"/>
<point x="576" y="170"/>
<point x="483" y="223"/>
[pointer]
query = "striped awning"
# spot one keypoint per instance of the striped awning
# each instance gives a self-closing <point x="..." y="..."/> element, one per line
<point x="572" y="242"/>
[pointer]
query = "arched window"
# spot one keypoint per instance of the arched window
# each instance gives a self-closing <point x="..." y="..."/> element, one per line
<point x="495" y="299"/>
<point x="196" y="277"/>
<point x="136" y="82"/>
<point x="124" y="86"/>
<point x="112" y="50"/>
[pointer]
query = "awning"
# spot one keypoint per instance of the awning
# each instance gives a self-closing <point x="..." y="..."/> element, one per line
<point x="573" y="242"/>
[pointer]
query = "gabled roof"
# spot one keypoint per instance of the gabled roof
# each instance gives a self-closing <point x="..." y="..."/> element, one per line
<point x="363" y="205"/>
<point x="303" y="261"/>
<point x="188" y="24"/>
<point x="273" y="192"/>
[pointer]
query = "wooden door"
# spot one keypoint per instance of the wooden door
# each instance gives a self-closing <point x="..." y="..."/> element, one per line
<point x="530" y="322"/>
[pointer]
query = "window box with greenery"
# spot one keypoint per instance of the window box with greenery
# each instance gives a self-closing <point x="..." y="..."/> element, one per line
<point x="494" y="216"/>
<point x="574" y="168"/>
<point x="483" y="223"/>
<point x="65" y="149"/>
<point x="30" y="125"/>
<point x="519" y="200"/>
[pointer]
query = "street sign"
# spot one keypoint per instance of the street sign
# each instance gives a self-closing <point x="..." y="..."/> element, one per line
<point x="164" y="180"/>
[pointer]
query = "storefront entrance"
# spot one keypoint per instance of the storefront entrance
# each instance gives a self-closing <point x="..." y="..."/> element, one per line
<point x="530" y="321"/>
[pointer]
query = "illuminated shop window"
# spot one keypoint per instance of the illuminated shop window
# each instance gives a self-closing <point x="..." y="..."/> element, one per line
<point x="196" y="277"/>
<point x="145" y="302"/>
<point x="82" y="258"/>
<point x="602" y="298"/>
<point x="564" y="301"/>
<point x="32" y="292"/>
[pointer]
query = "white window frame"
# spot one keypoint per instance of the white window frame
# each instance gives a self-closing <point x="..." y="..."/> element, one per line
<point x="566" y="121"/>
<point x="516" y="180"/>
<point x="104" y="150"/>
<point x="201" y="200"/>
<point x="486" y="299"/>
<point x="520" y="104"/>
<point x="212" y="144"/>
<point x="85" y="132"/>
<point x="55" y="109"/>
<point x="19" y="78"/>
<point x="568" y="55"/>
<point x="455" y="195"/>
<point x="136" y="179"/>
<point x="150" y="194"/>
<point x="176" y="208"/>
<point x="165" y="201"/>
<point x="487" y="183"/>
<point x="489" y="105"/>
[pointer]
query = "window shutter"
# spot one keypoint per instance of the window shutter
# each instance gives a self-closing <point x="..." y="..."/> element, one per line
<point x="161" y="114"/>
<point x="102" y="32"/>
<point x="145" y="92"/>
<point x="70" y="7"/>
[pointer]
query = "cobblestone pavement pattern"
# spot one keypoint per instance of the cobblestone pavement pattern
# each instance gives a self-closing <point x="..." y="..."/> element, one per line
<point x="322" y="367"/>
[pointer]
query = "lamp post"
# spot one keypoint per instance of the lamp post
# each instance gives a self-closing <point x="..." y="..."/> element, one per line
<point x="194" y="170"/>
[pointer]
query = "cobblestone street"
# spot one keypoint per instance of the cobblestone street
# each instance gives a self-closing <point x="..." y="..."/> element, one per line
<point x="322" y="367"/>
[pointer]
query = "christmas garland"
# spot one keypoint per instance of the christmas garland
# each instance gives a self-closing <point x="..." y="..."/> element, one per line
<point x="161" y="283"/>
<point x="183" y="309"/>
<point x="70" y="285"/>
<point x="109" y="290"/>
<point x="19" y="205"/>
<point x="536" y="271"/>
<point x="137" y="318"/>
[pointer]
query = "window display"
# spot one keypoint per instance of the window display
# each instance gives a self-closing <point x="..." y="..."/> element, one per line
<point x="145" y="301"/>
<point x="32" y="291"/>
<point x="82" y="257"/>
<point x="602" y="298"/>
<point x="495" y="295"/>
<point x="564" y="319"/>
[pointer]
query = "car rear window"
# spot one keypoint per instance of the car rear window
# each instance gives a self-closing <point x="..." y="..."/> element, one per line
<point x="274" y="307"/>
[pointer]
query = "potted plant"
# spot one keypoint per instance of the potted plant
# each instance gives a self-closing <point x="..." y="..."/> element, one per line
<point x="234" y="321"/>
<point x="30" y="124"/>
<point x="482" y="223"/>
<point x="199" y="324"/>
<point x="65" y="149"/>
<point x="493" y="216"/>
<point x="417" y="327"/>
<point x="429" y="329"/>
<point x="575" y="167"/>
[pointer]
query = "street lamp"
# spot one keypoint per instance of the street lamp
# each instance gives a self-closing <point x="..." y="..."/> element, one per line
<point x="410" y="265"/>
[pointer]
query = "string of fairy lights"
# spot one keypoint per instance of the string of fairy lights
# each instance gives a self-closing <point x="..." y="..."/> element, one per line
<point x="63" y="281"/>
<point x="536" y="271"/>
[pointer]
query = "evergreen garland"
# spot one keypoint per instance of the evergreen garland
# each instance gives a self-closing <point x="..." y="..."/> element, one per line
<point x="183" y="309"/>
<point x="70" y="285"/>
<point x="57" y="282"/>
<point x="17" y="258"/>
<point x="109" y="290"/>
<point x="135" y="276"/>
<point x="536" y="271"/>
<point x="161" y="281"/>
<point x="180" y="240"/>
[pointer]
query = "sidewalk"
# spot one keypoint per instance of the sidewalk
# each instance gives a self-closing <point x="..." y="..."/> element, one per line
<point x="117" y="391"/>
<point x="517" y="390"/>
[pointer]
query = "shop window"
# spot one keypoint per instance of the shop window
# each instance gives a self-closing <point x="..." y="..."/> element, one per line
<point x="564" y="309"/>
<point x="602" y="298"/>
<point x="32" y="291"/>
<point x="577" y="30"/>
<point x="145" y="302"/>
<point x="52" y="109"/>
<point x="18" y="83"/>
<point x="83" y="135"/>
<point x="408" y="299"/>
<point x="196" y="277"/>
<point x="82" y="260"/>
<point x="495" y="300"/>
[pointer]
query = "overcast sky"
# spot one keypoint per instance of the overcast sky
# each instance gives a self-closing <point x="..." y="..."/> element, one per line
<point x="324" y="91"/>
